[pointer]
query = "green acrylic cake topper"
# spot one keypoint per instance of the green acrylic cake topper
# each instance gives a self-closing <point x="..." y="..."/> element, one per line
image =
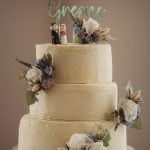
<point x="91" y="11"/>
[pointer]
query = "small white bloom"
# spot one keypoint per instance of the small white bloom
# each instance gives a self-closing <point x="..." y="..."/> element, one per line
<point x="34" y="74"/>
<point x="76" y="141"/>
<point x="130" y="109"/>
<point x="35" y="87"/>
<point x="91" y="25"/>
<point x="96" y="146"/>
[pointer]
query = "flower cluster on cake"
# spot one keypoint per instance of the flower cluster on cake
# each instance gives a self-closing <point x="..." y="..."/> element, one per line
<point x="73" y="101"/>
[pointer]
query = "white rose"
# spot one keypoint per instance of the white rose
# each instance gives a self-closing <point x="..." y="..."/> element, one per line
<point x="34" y="74"/>
<point x="76" y="141"/>
<point x="91" y="25"/>
<point x="130" y="109"/>
<point x="96" y="146"/>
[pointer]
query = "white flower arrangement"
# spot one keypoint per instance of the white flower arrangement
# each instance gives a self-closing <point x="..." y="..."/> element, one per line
<point x="91" y="141"/>
<point x="129" y="111"/>
<point x="89" y="31"/>
<point x="39" y="77"/>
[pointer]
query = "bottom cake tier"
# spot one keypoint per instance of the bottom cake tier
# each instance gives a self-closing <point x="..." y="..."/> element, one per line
<point x="38" y="134"/>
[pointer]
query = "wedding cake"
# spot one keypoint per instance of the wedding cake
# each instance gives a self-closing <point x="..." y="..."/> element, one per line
<point x="79" y="101"/>
<point x="73" y="101"/>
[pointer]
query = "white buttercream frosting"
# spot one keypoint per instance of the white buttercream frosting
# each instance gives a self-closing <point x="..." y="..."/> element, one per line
<point x="82" y="94"/>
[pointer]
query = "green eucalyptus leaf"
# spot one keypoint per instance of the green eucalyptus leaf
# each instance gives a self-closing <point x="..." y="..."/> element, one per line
<point x="30" y="97"/>
<point x="106" y="138"/>
<point x="137" y="123"/>
<point x="129" y="90"/>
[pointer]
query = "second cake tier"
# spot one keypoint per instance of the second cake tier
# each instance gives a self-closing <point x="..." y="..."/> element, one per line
<point x="76" y="102"/>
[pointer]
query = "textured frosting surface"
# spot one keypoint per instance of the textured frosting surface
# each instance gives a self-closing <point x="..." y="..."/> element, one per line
<point x="82" y="94"/>
<point x="76" y="102"/>
<point x="36" y="134"/>
<point x="79" y="63"/>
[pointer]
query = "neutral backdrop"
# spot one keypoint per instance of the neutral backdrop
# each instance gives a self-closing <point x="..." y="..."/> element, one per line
<point x="24" y="23"/>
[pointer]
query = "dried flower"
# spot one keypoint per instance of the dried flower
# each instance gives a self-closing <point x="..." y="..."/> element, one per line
<point x="96" y="36"/>
<point x="104" y="31"/>
<point x="136" y="95"/>
<point x="35" y="88"/>
<point x="22" y="74"/>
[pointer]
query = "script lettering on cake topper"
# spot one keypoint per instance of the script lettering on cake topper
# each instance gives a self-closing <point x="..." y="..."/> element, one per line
<point x="91" y="11"/>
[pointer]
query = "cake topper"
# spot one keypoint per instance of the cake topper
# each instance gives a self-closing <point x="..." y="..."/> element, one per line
<point x="55" y="33"/>
<point x="84" y="31"/>
<point x="91" y="11"/>
<point x="63" y="34"/>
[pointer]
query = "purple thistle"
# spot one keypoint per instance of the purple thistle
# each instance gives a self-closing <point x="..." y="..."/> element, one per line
<point x="87" y="39"/>
<point x="48" y="70"/>
<point x="46" y="83"/>
<point x="77" y="31"/>
<point x="40" y="63"/>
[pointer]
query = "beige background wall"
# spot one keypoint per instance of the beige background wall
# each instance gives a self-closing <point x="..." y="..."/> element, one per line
<point x="23" y="23"/>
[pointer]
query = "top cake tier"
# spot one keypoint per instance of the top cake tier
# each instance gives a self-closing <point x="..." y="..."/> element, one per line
<point x="76" y="63"/>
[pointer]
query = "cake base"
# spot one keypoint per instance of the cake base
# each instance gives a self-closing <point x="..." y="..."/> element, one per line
<point x="38" y="134"/>
<point x="128" y="148"/>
